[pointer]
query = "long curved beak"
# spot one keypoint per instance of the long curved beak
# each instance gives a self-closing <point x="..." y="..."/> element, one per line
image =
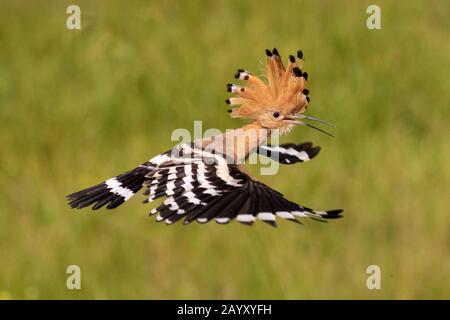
<point x="301" y="123"/>
<point x="302" y="116"/>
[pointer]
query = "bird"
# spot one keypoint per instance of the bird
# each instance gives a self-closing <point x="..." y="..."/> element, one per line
<point x="205" y="179"/>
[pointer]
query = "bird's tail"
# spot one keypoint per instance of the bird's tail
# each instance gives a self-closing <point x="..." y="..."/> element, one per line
<point x="112" y="192"/>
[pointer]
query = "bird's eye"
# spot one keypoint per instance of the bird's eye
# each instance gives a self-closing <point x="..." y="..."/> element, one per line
<point x="276" y="114"/>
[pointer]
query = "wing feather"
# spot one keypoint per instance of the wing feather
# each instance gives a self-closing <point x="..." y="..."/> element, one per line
<point x="202" y="191"/>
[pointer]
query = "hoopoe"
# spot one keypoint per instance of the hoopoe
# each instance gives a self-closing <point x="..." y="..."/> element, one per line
<point x="205" y="179"/>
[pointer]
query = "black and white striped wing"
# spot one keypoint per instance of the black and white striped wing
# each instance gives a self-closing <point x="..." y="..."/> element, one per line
<point x="116" y="190"/>
<point x="112" y="192"/>
<point x="289" y="153"/>
<point x="199" y="190"/>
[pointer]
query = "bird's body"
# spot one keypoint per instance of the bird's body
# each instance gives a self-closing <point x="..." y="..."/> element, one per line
<point x="205" y="179"/>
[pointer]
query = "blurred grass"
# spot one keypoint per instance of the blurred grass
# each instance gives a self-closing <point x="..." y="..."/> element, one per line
<point x="77" y="107"/>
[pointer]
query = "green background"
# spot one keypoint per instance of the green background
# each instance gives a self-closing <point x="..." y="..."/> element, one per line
<point x="77" y="107"/>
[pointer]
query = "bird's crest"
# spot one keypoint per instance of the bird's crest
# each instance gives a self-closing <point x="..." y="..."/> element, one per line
<point x="283" y="88"/>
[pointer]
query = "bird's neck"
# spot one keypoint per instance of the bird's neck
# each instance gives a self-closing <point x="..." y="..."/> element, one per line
<point x="238" y="143"/>
<point x="254" y="135"/>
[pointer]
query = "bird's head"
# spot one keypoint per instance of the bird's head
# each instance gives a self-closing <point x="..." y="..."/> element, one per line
<point x="277" y="103"/>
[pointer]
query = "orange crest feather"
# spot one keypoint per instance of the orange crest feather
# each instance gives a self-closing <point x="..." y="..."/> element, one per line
<point x="284" y="88"/>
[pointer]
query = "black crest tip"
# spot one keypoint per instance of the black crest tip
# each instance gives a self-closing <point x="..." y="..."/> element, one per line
<point x="297" y="72"/>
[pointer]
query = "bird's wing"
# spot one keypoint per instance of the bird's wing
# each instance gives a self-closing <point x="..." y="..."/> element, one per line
<point x="289" y="153"/>
<point x="207" y="187"/>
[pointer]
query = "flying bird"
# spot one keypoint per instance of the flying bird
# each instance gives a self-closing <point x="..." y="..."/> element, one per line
<point x="205" y="179"/>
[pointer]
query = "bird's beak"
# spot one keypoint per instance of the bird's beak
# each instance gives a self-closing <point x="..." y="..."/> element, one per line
<point x="302" y="116"/>
<point x="291" y="120"/>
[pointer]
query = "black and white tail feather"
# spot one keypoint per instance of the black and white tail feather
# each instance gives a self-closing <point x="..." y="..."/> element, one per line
<point x="202" y="186"/>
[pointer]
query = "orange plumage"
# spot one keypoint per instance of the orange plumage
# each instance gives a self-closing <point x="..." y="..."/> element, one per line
<point x="282" y="90"/>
